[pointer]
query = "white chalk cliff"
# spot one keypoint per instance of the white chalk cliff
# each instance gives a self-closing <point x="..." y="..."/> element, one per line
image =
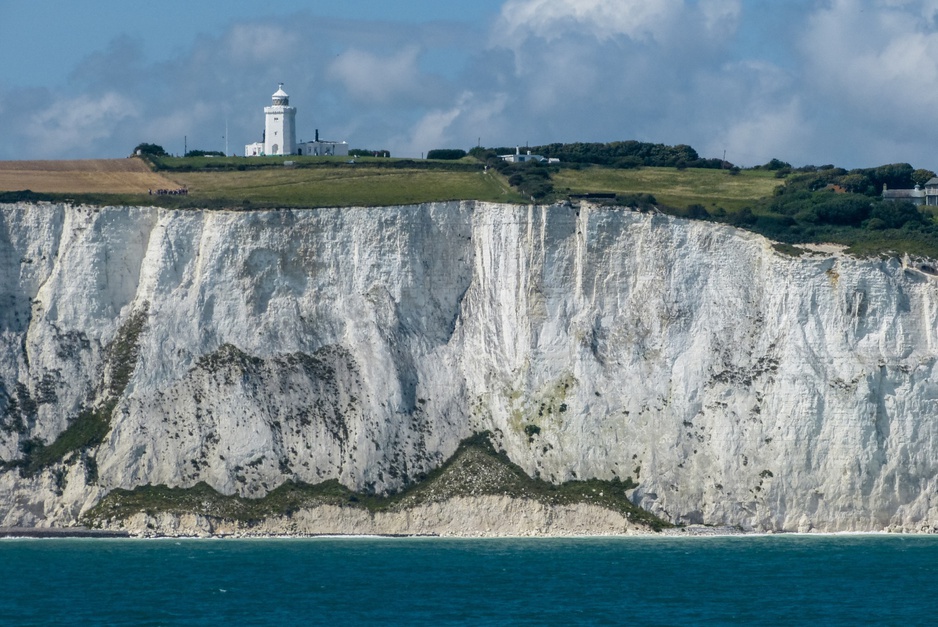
<point x="736" y="385"/>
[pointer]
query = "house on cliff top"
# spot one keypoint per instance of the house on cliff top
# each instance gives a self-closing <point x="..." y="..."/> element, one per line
<point x="517" y="157"/>
<point x="917" y="196"/>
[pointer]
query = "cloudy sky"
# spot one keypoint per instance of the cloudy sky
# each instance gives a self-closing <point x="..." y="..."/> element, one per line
<point x="849" y="82"/>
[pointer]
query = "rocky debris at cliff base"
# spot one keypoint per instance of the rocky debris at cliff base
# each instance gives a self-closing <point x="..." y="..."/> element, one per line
<point x="705" y="530"/>
<point x="60" y="532"/>
<point x="477" y="492"/>
<point x="482" y="517"/>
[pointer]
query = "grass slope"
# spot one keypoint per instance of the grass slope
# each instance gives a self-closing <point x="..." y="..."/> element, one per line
<point x="354" y="186"/>
<point x="673" y="187"/>
<point x="262" y="182"/>
<point x="476" y="469"/>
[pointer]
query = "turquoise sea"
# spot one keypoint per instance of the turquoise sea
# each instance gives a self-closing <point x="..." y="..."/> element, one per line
<point x="750" y="580"/>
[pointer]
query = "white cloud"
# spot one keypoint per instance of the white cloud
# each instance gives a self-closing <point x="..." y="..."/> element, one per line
<point x="378" y="78"/>
<point x="261" y="42"/>
<point x="588" y="71"/>
<point x="849" y="82"/>
<point x="472" y="119"/>
<point x="876" y="64"/>
<point x="638" y="20"/>
<point x="751" y="140"/>
<point x="432" y="131"/>
<point x="183" y="121"/>
<point x="71" y="124"/>
<point x="720" y="17"/>
<point x="601" y="19"/>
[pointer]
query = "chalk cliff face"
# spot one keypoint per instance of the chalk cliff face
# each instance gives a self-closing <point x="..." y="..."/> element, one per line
<point x="734" y="384"/>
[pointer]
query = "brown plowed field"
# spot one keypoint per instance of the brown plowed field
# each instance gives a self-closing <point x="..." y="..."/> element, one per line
<point x="86" y="176"/>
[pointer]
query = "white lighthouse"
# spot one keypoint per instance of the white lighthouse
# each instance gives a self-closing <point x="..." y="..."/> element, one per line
<point x="280" y="133"/>
<point x="280" y="126"/>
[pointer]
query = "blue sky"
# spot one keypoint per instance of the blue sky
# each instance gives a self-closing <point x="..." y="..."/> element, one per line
<point x="849" y="82"/>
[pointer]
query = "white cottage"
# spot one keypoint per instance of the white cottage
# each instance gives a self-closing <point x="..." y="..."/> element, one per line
<point x="526" y="158"/>
<point x="320" y="147"/>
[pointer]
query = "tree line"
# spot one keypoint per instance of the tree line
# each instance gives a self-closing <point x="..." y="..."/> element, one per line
<point x="619" y="154"/>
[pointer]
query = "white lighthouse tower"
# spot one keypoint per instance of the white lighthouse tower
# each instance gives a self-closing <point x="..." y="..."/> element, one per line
<point x="280" y="126"/>
<point x="280" y="134"/>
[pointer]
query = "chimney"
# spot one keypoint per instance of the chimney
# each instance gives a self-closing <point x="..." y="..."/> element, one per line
<point x="317" y="134"/>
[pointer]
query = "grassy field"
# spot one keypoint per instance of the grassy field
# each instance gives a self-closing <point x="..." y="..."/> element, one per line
<point x="358" y="185"/>
<point x="263" y="182"/>
<point x="186" y="164"/>
<point x="334" y="182"/>
<point x="672" y="187"/>
<point x="91" y="176"/>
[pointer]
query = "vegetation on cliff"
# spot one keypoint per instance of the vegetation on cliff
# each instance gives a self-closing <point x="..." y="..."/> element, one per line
<point x="93" y="422"/>
<point x="475" y="469"/>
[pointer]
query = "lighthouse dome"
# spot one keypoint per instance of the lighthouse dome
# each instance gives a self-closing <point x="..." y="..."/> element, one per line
<point x="280" y="97"/>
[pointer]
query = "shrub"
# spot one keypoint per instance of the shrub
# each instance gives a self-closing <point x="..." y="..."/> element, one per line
<point x="844" y="209"/>
<point x="921" y="176"/>
<point x="776" y="164"/>
<point x="698" y="212"/>
<point x="895" y="215"/>
<point x="205" y="153"/>
<point x="153" y="150"/>
<point x="744" y="217"/>
<point x="531" y="179"/>
<point x="451" y="154"/>
<point x="622" y="154"/>
<point x="364" y="152"/>
<point x="643" y="202"/>
<point x="23" y="196"/>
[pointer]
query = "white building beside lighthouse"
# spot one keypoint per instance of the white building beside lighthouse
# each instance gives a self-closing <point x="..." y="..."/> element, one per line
<point x="280" y="133"/>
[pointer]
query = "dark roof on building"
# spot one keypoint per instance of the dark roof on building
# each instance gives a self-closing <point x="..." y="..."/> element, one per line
<point x="903" y="193"/>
